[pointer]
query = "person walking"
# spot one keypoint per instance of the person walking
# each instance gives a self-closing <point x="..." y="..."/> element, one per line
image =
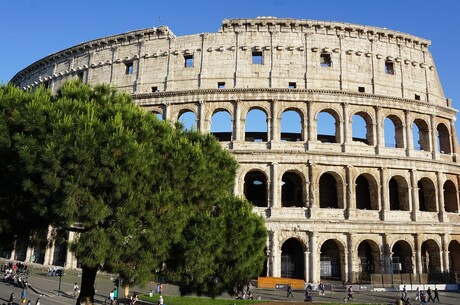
<point x="289" y="291"/>
<point x="417" y="294"/>
<point x="23" y="295"/>
<point x="436" y="295"/>
<point x="75" y="290"/>
<point x="428" y="292"/>
<point x="37" y="302"/>
<point x="11" y="299"/>
<point x="350" y="293"/>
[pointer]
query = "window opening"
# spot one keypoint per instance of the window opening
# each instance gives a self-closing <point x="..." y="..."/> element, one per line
<point x="389" y="68"/>
<point x="292" y="85"/>
<point x="80" y="75"/>
<point x="326" y="60"/>
<point x="221" y="85"/>
<point x="155" y="89"/>
<point x="257" y="58"/>
<point x="188" y="61"/>
<point x="417" y="97"/>
<point x="361" y="89"/>
<point x="129" y="68"/>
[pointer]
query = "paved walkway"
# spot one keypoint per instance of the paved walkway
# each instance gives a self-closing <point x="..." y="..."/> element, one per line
<point x="47" y="288"/>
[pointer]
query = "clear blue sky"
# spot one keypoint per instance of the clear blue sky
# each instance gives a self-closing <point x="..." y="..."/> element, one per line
<point x="32" y="29"/>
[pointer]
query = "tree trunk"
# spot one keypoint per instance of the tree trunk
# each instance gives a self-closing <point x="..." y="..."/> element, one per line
<point x="88" y="278"/>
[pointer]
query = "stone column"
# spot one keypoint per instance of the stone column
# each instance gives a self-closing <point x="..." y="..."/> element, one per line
<point x="414" y="187"/>
<point x="350" y="202"/>
<point x="275" y="200"/>
<point x="314" y="251"/>
<point x="453" y="140"/>
<point x="379" y="131"/>
<point x="307" y="266"/>
<point x="418" y="254"/>
<point x="350" y="259"/>
<point x="311" y="125"/>
<point x="445" y="252"/>
<point x="237" y="133"/>
<point x="29" y="253"/>
<point x="140" y="65"/>
<point x="275" y="126"/>
<point x="385" y="205"/>
<point x="201" y="117"/>
<point x="440" y="198"/>
<point x="49" y="251"/>
<point x="276" y="254"/>
<point x="434" y="138"/>
<point x="409" y="135"/>
<point x="346" y="127"/>
<point x="167" y="115"/>
<point x="71" y="260"/>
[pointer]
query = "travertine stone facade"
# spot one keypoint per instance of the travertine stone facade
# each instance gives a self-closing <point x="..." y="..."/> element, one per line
<point x="338" y="206"/>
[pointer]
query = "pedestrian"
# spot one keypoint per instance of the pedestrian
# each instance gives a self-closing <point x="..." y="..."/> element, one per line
<point x="160" y="300"/>
<point x="417" y="294"/>
<point x="23" y="295"/>
<point x="422" y="298"/>
<point x="112" y="297"/>
<point x="350" y="293"/>
<point x="134" y="299"/>
<point x="289" y="291"/>
<point x="404" y="293"/>
<point x="11" y="299"/>
<point x="430" y="298"/>
<point x="321" y="288"/>
<point x="75" y="290"/>
<point x="37" y="302"/>
<point x="158" y="288"/>
<point x="29" y="302"/>
<point x="436" y="295"/>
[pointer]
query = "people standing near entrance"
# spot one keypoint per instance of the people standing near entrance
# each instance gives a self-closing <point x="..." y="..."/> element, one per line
<point x="350" y="293"/>
<point x="436" y="295"/>
<point x="289" y="291"/>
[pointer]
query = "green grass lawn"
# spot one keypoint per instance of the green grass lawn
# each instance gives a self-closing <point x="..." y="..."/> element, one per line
<point x="176" y="300"/>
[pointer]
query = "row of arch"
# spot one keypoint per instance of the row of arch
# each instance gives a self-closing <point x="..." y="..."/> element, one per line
<point x="328" y="128"/>
<point x="331" y="186"/>
<point x="371" y="258"/>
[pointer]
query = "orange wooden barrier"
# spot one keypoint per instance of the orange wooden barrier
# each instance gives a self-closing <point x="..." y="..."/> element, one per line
<point x="271" y="282"/>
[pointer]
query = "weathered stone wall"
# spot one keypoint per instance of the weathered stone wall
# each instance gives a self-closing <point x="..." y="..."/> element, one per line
<point x="310" y="67"/>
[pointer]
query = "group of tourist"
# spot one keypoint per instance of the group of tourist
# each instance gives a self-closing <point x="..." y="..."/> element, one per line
<point x="243" y="291"/>
<point x="423" y="296"/>
<point x="23" y="298"/>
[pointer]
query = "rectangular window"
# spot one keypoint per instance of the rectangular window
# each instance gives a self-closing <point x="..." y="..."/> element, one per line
<point x="46" y="84"/>
<point x="326" y="60"/>
<point x="221" y="85"/>
<point x="129" y="68"/>
<point x="417" y="97"/>
<point x="154" y="89"/>
<point x="80" y="75"/>
<point x="292" y="85"/>
<point x="389" y="68"/>
<point x="361" y="89"/>
<point x="257" y="58"/>
<point x="188" y="61"/>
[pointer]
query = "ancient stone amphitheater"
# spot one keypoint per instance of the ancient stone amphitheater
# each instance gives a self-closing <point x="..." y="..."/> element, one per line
<point x="345" y="140"/>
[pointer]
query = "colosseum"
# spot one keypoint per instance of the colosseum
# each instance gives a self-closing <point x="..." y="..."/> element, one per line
<point x="345" y="140"/>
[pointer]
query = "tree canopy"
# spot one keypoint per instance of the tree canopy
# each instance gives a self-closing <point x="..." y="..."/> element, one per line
<point x="144" y="195"/>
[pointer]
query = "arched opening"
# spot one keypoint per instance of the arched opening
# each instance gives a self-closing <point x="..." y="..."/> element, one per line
<point x="399" y="200"/>
<point x="369" y="258"/>
<point x="221" y="125"/>
<point x="291" y="126"/>
<point x="188" y="120"/>
<point x="291" y="190"/>
<point x="393" y="130"/>
<point x="158" y="115"/>
<point x="366" y="193"/>
<point x="331" y="260"/>
<point x="255" y="188"/>
<point x="292" y="259"/>
<point x="426" y="195"/>
<point x="328" y="128"/>
<point x="431" y="261"/>
<point x="454" y="259"/>
<point x="256" y="126"/>
<point x="362" y="128"/>
<point x="450" y="197"/>
<point x="402" y="257"/>
<point x="443" y="139"/>
<point x="330" y="191"/>
<point x="421" y="135"/>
